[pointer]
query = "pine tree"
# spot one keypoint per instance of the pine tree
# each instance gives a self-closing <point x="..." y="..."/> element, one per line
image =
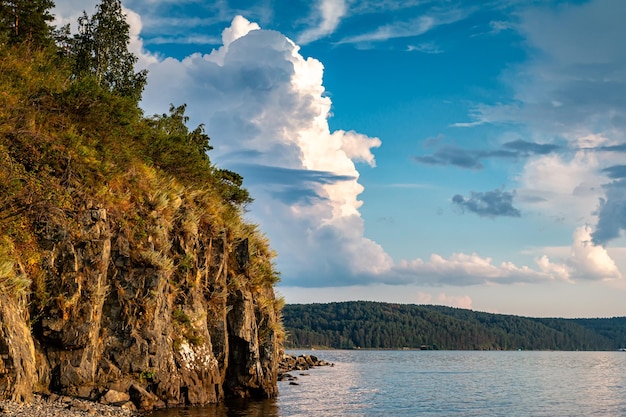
<point x="26" y="20"/>
<point x="101" y="50"/>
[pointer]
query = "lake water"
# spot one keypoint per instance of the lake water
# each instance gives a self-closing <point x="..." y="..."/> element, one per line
<point x="444" y="383"/>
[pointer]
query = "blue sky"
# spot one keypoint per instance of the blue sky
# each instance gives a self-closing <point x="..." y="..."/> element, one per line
<point x="463" y="153"/>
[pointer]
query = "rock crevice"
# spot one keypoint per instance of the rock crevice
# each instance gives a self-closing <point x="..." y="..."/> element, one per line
<point x="166" y="319"/>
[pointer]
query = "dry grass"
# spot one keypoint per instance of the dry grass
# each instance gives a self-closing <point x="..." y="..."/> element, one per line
<point x="11" y="281"/>
<point x="158" y="260"/>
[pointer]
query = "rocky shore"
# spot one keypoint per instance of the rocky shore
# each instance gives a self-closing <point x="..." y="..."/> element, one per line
<point x="62" y="406"/>
<point x="289" y="363"/>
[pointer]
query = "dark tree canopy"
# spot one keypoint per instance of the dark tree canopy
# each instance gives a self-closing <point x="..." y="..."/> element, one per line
<point x="374" y="325"/>
<point x="26" y="20"/>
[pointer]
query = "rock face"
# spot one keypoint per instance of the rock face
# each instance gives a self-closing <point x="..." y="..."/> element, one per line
<point x="163" y="316"/>
<point x="17" y="352"/>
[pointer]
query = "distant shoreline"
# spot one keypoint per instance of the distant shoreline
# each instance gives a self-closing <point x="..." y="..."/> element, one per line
<point x="307" y="349"/>
<point x="378" y="325"/>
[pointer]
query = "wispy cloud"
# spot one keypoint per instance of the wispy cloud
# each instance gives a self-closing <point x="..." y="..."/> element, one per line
<point x="498" y="26"/>
<point x="175" y="24"/>
<point x="291" y="186"/>
<point x="410" y="28"/>
<point x="329" y="14"/>
<point x="425" y="47"/>
<point x="452" y="155"/>
<point x="378" y="6"/>
<point x="609" y="148"/>
<point x="472" y="158"/>
<point x="408" y="185"/>
<point x="183" y="40"/>
<point x="169" y="21"/>
<point x="525" y="148"/>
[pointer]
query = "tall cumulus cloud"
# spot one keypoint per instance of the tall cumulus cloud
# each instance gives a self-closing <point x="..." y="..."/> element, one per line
<point x="265" y="108"/>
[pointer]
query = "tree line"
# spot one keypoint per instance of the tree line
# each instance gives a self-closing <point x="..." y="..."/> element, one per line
<point x="374" y="325"/>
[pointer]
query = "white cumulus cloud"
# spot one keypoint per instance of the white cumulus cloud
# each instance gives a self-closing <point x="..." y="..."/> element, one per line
<point x="264" y="105"/>
<point x="582" y="261"/>
<point x="590" y="261"/>
<point x="565" y="188"/>
<point x="265" y="108"/>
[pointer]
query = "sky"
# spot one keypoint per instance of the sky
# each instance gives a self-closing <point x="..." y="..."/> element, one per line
<point x="462" y="153"/>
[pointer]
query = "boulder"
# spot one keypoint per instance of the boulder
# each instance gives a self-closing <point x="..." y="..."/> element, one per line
<point x="113" y="397"/>
<point x="144" y="400"/>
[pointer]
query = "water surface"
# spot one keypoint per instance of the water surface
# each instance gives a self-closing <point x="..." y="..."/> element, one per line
<point x="444" y="383"/>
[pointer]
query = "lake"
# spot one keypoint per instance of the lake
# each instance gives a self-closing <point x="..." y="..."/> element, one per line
<point x="444" y="383"/>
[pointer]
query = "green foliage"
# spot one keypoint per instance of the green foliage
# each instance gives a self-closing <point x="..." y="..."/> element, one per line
<point x="184" y="153"/>
<point x="173" y="148"/>
<point x="387" y="326"/>
<point x="231" y="187"/>
<point x="69" y="144"/>
<point x="147" y="376"/>
<point x="100" y="50"/>
<point x="180" y="317"/>
<point x="188" y="332"/>
<point x="26" y="21"/>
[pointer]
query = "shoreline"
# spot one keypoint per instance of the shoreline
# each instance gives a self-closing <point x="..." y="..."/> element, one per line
<point x="53" y="405"/>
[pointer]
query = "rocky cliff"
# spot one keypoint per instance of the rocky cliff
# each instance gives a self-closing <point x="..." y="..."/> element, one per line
<point x="127" y="318"/>
<point x="127" y="271"/>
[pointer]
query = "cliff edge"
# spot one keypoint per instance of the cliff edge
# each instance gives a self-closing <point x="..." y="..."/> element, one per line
<point x="127" y="271"/>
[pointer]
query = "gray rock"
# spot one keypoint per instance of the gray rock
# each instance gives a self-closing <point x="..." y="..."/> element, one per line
<point x="128" y="319"/>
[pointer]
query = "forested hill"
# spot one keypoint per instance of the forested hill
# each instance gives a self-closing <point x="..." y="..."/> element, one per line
<point x="373" y="325"/>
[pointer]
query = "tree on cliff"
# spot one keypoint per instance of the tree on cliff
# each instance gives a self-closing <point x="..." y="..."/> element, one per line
<point x="26" y="20"/>
<point x="100" y="49"/>
<point x="177" y="149"/>
<point x="125" y="259"/>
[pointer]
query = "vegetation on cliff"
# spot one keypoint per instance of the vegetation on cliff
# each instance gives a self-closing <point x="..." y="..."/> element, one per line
<point x="125" y="261"/>
<point x="373" y="325"/>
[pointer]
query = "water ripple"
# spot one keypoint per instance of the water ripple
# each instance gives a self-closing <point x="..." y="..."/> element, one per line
<point x="446" y="383"/>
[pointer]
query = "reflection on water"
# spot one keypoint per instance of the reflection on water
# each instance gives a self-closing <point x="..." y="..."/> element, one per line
<point x="231" y="408"/>
<point x="451" y="383"/>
